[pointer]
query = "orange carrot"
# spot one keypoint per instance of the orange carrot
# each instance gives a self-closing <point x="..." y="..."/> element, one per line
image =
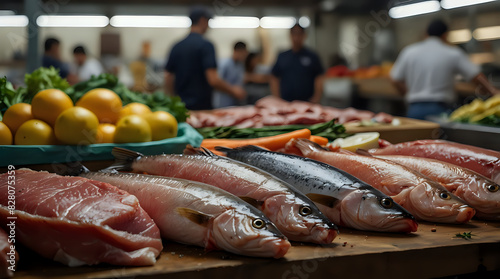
<point x="271" y="143"/>
<point x="319" y="140"/>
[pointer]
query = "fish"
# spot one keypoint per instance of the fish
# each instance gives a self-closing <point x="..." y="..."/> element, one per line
<point x="199" y="214"/>
<point x="77" y="221"/>
<point x="424" y="198"/>
<point x="295" y="215"/>
<point x="483" y="161"/>
<point x="475" y="189"/>
<point x="346" y="200"/>
<point x="9" y="255"/>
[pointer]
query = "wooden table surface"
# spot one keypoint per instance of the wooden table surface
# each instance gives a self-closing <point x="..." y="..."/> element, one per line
<point x="423" y="254"/>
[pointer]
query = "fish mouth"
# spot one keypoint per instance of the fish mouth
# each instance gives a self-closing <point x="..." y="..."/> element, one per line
<point x="412" y="225"/>
<point x="465" y="213"/>
<point x="322" y="235"/>
<point x="282" y="248"/>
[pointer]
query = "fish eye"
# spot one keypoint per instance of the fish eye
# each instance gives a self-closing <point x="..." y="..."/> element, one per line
<point x="444" y="196"/>
<point x="258" y="223"/>
<point x="305" y="210"/>
<point x="493" y="188"/>
<point x="386" y="203"/>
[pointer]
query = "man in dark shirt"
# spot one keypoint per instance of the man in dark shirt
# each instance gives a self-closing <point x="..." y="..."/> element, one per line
<point x="297" y="74"/>
<point x="52" y="57"/>
<point x="192" y="70"/>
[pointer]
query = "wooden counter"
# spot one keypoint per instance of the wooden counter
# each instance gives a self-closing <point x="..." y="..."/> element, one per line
<point x="423" y="254"/>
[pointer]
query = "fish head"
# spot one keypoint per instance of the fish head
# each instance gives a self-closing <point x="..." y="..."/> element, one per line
<point x="370" y="209"/>
<point x="482" y="194"/>
<point x="300" y="219"/>
<point x="432" y="202"/>
<point x="248" y="232"/>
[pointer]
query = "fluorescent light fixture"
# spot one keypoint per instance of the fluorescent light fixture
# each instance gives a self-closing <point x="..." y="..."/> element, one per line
<point x="414" y="9"/>
<point x="277" y="22"/>
<point x="151" y="21"/>
<point x="451" y="4"/>
<point x="459" y="36"/>
<point x="6" y="12"/>
<point x="72" y="21"/>
<point x="304" y="21"/>
<point x="487" y="33"/>
<point x="13" y="21"/>
<point x="234" y="22"/>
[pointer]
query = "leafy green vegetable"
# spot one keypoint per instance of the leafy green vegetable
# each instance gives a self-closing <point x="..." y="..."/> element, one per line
<point x="491" y="120"/>
<point x="41" y="79"/>
<point x="329" y="130"/>
<point x="465" y="235"/>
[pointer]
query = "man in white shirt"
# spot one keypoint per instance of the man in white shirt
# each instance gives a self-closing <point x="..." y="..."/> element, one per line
<point x="85" y="67"/>
<point x="425" y="72"/>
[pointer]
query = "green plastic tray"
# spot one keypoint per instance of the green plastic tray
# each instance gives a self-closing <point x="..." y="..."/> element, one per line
<point x="49" y="154"/>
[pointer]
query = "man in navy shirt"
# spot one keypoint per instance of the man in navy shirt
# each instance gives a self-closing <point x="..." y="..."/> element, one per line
<point x="191" y="67"/>
<point x="297" y="74"/>
<point x="52" y="57"/>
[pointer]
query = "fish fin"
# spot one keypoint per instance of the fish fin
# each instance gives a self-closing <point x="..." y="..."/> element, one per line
<point x="252" y="201"/>
<point x="194" y="216"/>
<point x="190" y="150"/>
<point x="325" y="200"/>
<point x="363" y="152"/>
<point x="306" y="146"/>
<point x="123" y="159"/>
<point x="71" y="169"/>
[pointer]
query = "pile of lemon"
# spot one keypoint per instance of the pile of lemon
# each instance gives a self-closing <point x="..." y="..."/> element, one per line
<point x="97" y="117"/>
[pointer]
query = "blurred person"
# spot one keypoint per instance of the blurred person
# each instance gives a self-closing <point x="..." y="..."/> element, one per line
<point x="297" y="74"/>
<point x="86" y="67"/>
<point x="52" y="57"/>
<point x="232" y="71"/>
<point x="257" y="75"/>
<point x="425" y="73"/>
<point x="191" y="69"/>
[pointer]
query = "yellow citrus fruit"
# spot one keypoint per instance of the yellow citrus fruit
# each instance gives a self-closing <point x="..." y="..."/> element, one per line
<point x="359" y="141"/>
<point x="5" y="134"/>
<point x="163" y="125"/>
<point x="136" y="109"/>
<point x="35" y="132"/>
<point x="132" y="128"/>
<point x="48" y="104"/>
<point x="104" y="103"/>
<point x="16" y="115"/>
<point x="105" y="133"/>
<point x="76" y="125"/>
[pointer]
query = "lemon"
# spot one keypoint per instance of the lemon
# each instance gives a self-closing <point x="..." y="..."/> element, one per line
<point x="104" y="103"/>
<point x="76" y="125"/>
<point x="358" y="141"/>
<point x="48" y="104"/>
<point x="35" y="132"/>
<point x="136" y="109"/>
<point x="132" y="128"/>
<point x="5" y="134"/>
<point x="163" y="125"/>
<point x="105" y="133"/>
<point x="16" y="115"/>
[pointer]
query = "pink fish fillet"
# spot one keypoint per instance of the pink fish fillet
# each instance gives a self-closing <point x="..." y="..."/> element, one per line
<point x="77" y="221"/>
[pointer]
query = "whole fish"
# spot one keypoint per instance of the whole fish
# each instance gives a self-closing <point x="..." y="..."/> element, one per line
<point x="345" y="199"/>
<point x="478" y="191"/>
<point x="424" y="198"/>
<point x="293" y="213"/>
<point x="199" y="214"/>
<point x="483" y="161"/>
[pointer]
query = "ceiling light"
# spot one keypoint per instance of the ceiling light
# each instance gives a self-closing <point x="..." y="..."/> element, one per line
<point x="14" y="21"/>
<point x="277" y="22"/>
<point x="151" y="21"/>
<point x="6" y="12"/>
<point x="451" y="4"/>
<point x="487" y="33"/>
<point x="304" y="21"/>
<point x="72" y="21"/>
<point x="414" y="9"/>
<point x="459" y="36"/>
<point x="234" y="22"/>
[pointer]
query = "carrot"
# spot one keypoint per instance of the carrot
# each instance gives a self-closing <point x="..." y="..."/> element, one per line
<point x="319" y="140"/>
<point x="271" y="143"/>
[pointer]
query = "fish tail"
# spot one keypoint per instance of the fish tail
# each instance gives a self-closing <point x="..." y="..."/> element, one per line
<point x="306" y="146"/>
<point x="123" y="159"/>
<point x="71" y="169"/>
<point x="190" y="150"/>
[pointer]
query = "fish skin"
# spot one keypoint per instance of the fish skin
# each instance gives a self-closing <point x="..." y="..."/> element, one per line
<point x="279" y="201"/>
<point x="468" y="185"/>
<point x="162" y="198"/>
<point x="357" y="200"/>
<point x="77" y="221"/>
<point x="483" y="161"/>
<point x="415" y="192"/>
